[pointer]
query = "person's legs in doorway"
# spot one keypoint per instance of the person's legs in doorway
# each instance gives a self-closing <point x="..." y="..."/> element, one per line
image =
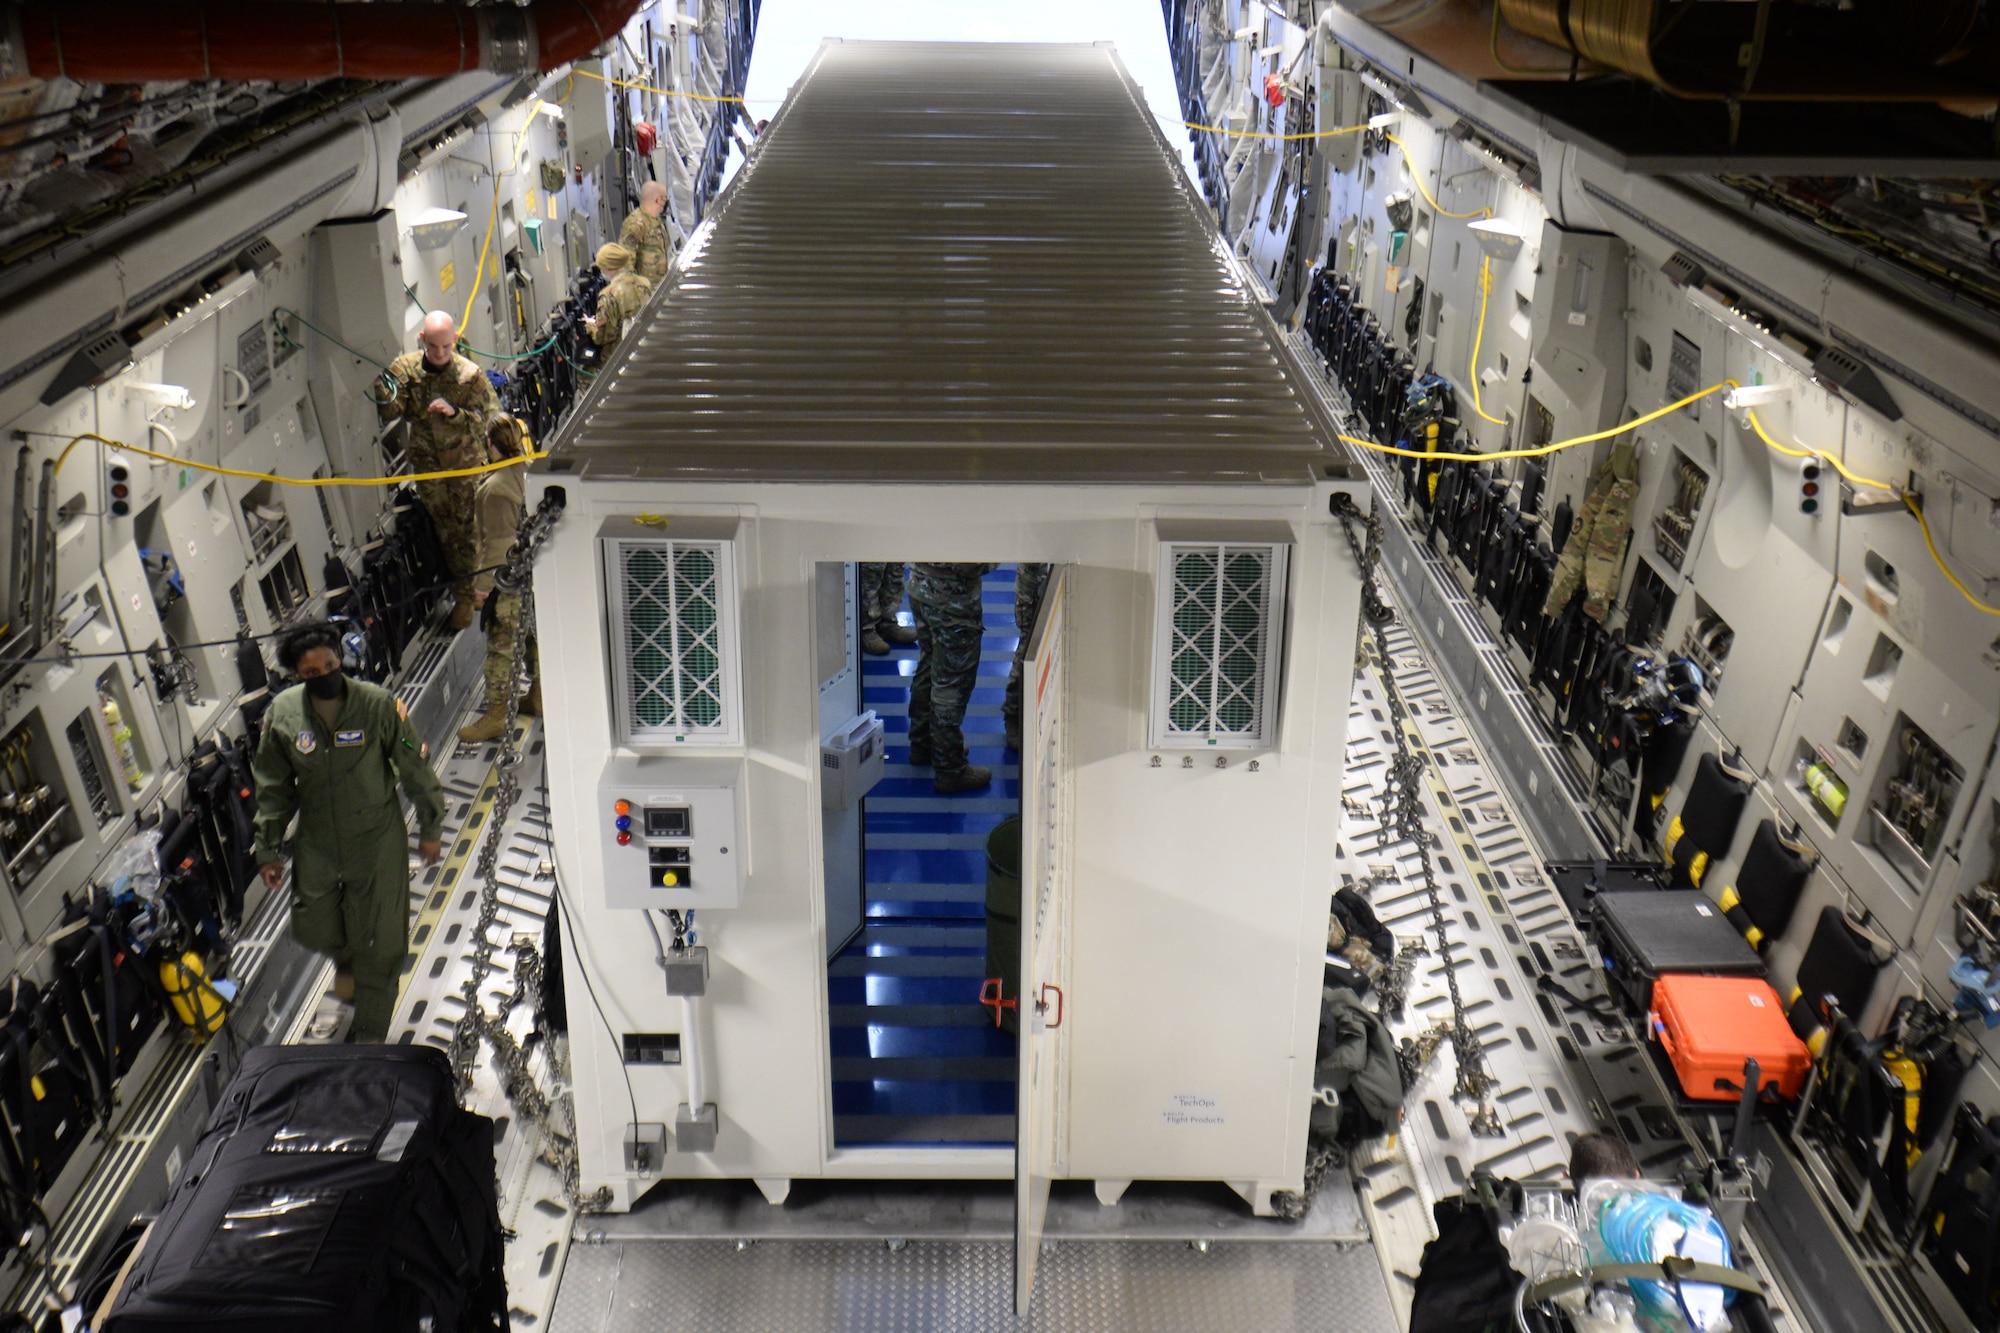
<point x="920" y="693"/>
<point x="881" y="598"/>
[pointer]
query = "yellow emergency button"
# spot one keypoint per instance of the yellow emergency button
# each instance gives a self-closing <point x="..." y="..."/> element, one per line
<point x="669" y="878"/>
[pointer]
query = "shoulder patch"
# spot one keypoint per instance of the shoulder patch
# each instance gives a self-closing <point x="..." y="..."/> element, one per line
<point x="402" y="710"/>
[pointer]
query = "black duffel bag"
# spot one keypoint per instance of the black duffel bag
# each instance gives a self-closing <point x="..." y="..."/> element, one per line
<point x="334" y="1188"/>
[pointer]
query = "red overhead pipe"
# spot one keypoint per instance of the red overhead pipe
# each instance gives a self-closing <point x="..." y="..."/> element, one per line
<point x="117" y="41"/>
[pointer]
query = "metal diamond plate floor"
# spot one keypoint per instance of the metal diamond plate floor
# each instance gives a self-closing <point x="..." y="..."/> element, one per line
<point x="812" y="1286"/>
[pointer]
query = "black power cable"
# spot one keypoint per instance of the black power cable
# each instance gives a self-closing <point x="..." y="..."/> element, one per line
<point x="569" y="929"/>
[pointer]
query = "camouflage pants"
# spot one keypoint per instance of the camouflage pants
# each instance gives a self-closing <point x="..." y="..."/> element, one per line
<point x="500" y="648"/>
<point x="950" y="622"/>
<point x="1595" y="552"/>
<point x="1030" y="582"/>
<point x="881" y="593"/>
<point x="450" y="504"/>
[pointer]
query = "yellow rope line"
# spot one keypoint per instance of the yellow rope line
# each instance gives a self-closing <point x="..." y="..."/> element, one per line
<point x="63" y="457"/>
<point x="1831" y="461"/>
<point x="525" y="457"/>
<point x="1541" y="450"/>
<point x="1479" y="336"/>
<point x="1280" y="138"/>
<point x="662" y="92"/>
<point x="1910" y="502"/>
<point x="1417" y="179"/>
<point x="486" y="246"/>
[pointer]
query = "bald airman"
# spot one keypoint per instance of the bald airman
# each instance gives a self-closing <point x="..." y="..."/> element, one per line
<point x="645" y="235"/>
<point x="448" y="403"/>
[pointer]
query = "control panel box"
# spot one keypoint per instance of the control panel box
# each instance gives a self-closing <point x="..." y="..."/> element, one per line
<point x="671" y="832"/>
<point x="851" y="762"/>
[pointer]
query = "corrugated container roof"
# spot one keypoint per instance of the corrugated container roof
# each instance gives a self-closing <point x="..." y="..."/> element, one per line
<point x="956" y="262"/>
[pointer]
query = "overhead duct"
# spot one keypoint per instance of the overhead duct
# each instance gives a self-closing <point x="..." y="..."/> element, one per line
<point x="115" y="41"/>
<point x="1466" y="37"/>
<point x="1878" y="50"/>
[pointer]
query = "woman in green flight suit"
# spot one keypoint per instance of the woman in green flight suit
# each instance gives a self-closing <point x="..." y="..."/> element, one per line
<point x="334" y="751"/>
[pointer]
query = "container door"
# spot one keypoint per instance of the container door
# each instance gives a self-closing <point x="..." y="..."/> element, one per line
<point x="838" y="655"/>
<point x="1046" y="798"/>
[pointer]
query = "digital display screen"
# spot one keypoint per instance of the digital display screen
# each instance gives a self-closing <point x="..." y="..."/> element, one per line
<point x="667" y="821"/>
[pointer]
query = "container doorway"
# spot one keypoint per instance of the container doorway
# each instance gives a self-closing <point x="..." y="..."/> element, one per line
<point x="922" y="881"/>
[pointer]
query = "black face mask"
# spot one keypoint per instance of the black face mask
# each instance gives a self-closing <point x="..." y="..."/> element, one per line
<point x="329" y="686"/>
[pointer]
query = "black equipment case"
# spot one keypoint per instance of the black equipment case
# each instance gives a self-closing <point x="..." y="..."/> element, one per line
<point x="334" y="1188"/>
<point x="1581" y="881"/>
<point x="1642" y="936"/>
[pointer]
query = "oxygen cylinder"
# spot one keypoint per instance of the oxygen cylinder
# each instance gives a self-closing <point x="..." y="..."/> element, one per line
<point x="1827" y="789"/>
<point x="196" y="1003"/>
<point x="121" y="740"/>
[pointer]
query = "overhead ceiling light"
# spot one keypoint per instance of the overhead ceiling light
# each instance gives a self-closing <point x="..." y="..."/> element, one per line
<point x="1499" y="238"/>
<point x="433" y="228"/>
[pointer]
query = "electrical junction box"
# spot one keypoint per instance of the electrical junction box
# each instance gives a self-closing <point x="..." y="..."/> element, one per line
<point x="687" y="971"/>
<point x="645" y="1149"/>
<point x="671" y="831"/>
<point x="850" y="764"/>
<point x="694" y="1128"/>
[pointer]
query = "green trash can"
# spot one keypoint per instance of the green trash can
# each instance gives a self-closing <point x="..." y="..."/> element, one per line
<point x="1003" y="913"/>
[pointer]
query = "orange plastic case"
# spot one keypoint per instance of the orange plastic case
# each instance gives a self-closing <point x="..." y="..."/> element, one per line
<point x="1710" y="1025"/>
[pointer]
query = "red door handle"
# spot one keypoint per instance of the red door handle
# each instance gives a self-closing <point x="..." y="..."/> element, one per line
<point x="989" y="994"/>
<point x="1042" y="1004"/>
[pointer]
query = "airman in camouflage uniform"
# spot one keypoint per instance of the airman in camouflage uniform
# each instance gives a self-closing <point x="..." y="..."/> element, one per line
<point x="621" y="298"/>
<point x="645" y="235"/>
<point x="448" y="403"/>
<point x="881" y="598"/>
<point x="1595" y="551"/>
<point x="1030" y="582"/>
<point x="950" y="621"/>
<point x="501" y="502"/>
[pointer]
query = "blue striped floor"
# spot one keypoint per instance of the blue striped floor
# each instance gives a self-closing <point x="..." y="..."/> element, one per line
<point x="916" y="1058"/>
